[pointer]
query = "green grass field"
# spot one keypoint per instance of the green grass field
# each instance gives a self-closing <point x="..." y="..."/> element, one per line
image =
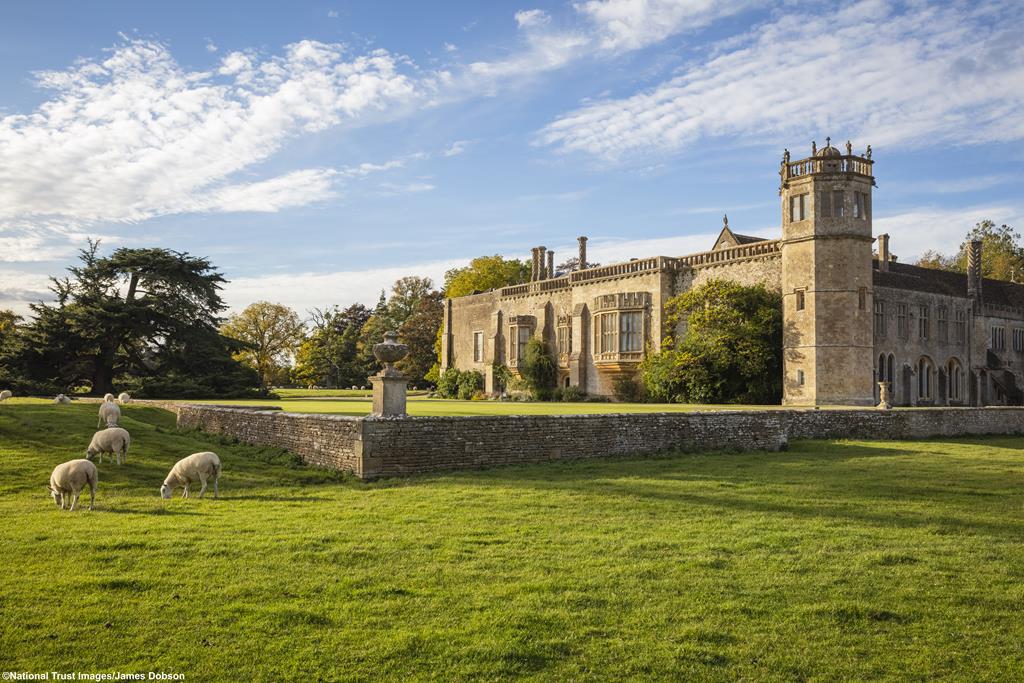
<point x="833" y="561"/>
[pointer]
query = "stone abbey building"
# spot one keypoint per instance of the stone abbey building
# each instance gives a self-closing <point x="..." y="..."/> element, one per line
<point x="853" y="316"/>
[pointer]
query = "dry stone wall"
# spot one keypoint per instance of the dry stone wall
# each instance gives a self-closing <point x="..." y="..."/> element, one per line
<point x="384" y="447"/>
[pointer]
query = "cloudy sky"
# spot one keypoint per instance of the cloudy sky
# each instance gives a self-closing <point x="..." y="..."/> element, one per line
<point x="318" y="151"/>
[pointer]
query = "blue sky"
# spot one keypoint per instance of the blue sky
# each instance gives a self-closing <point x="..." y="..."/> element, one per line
<point x="318" y="151"/>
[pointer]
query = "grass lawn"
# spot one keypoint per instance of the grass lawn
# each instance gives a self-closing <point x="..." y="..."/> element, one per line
<point x="850" y="560"/>
<point x="420" y="405"/>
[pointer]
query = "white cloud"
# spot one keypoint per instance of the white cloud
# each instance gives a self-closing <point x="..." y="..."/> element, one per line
<point x="136" y="136"/>
<point x="332" y="14"/>
<point x="531" y="17"/>
<point x="931" y="75"/>
<point x="450" y="47"/>
<point x="405" y="188"/>
<point x="304" y="291"/>
<point x="633" y="24"/>
<point x="211" y="46"/>
<point x="456" y="148"/>
<point x="917" y="230"/>
<point x="18" y="289"/>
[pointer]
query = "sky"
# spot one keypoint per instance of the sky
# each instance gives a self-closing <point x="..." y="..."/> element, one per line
<point x="317" y="151"/>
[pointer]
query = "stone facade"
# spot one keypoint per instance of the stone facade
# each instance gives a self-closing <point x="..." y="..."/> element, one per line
<point x="853" y="316"/>
<point x="370" y="448"/>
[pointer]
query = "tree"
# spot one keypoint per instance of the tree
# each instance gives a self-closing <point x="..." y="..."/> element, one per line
<point x="391" y="314"/>
<point x="485" y="273"/>
<point x="571" y="264"/>
<point x="1002" y="255"/>
<point x="123" y="318"/>
<point x="329" y="356"/>
<point x="270" y="334"/>
<point x="538" y="369"/>
<point x="419" y="331"/>
<point x="729" y="349"/>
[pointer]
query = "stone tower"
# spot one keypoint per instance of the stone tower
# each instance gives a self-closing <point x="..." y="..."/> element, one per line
<point x="826" y="278"/>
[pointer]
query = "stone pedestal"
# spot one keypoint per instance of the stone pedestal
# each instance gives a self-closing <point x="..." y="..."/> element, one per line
<point x="389" y="385"/>
<point x="884" y="401"/>
<point x="389" y="393"/>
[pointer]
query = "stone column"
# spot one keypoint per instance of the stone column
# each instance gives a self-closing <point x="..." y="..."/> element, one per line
<point x="534" y="266"/>
<point x="541" y="267"/>
<point x="883" y="252"/>
<point x="551" y="263"/>
<point x="974" y="269"/>
<point x="389" y="385"/>
<point x="583" y="252"/>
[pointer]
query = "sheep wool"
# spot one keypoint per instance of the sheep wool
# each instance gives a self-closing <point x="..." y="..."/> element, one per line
<point x="5" y="394"/>
<point x="68" y="480"/>
<point x="111" y="440"/>
<point x="199" y="467"/>
<point x="61" y="400"/>
<point x="110" y="414"/>
<point x="124" y="397"/>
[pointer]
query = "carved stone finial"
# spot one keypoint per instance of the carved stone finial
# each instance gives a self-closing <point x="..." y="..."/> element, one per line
<point x="785" y="155"/>
<point x="868" y="153"/>
<point x="725" y="220"/>
<point x="828" y="141"/>
<point x="814" y="147"/>
<point x="389" y="352"/>
<point x="849" y="148"/>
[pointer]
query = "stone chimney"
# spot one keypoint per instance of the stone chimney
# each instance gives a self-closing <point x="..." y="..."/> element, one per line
<point x="583" y="252"/>
<point x="534" y="270"/>
<point x="551" y="263"/>
<point x="542" y="269"/>
<point x="883" y="253"/>
<point x="974" y="269"/>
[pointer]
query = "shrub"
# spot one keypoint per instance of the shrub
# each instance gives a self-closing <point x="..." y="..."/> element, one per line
<point x="448" y="383"/>
<point x="538" y="369"/>
<point x="470" y="382"/>
<point x="626" y="389"/>
<point x="571" y="394"/>
<point x="503" y="377"/>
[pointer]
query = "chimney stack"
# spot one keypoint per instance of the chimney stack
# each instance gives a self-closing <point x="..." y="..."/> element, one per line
<point x="582" y="265"/>
<point x="542" y="269"/>
<point x="551" y="264"/>
<point x="883" y="253"/>
<point x="974" y="269"/>
<point x="533" y="265"/>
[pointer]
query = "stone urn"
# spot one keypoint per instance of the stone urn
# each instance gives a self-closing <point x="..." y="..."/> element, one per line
<point x="389" y="352"/>
<point x="884" y="400"/>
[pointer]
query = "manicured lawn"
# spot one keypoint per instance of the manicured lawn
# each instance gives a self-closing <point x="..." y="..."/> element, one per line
<point x="420" y="405"/>
<point x="851" y="560"/>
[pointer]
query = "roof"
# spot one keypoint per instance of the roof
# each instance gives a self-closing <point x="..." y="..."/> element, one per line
<point x="733" y="239"/>
<point x="947" y="283"/>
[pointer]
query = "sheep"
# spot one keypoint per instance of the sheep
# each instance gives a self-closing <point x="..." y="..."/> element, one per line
<point x="111" y="440"/>
<point x="61" y="400"/>
<point x="196" y="467"/>
<point x="124" y="397"/>
<point x="5" y="394"/>
<point x="107" y="398"/>
<point x="109" y="413"/>
<point x="68" y="480"/>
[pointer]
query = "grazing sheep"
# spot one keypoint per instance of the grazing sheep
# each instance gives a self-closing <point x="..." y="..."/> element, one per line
<point x="68" y="480"/>
<point x="111" y="440"/>
<point x="5" y="394"/>
<point x="108" y="397"/>
<point x="109" y="413"/>
<point x="61" y="400"/>
<point x="196" y="467"/>
<point x="124" y="397"/>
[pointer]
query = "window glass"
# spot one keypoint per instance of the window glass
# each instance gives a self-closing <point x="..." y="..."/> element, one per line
<point x="631" y="331"/>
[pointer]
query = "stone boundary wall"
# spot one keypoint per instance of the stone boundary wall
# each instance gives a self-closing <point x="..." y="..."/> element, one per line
<point x="383" y="447"/>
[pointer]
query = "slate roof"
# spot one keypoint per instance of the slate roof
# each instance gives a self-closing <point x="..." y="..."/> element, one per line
<point x="948" y="283"/>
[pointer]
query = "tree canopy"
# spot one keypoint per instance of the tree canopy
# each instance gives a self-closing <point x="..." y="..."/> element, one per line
<point x="270" y="334"/>
<point x="485" y="273"/>
<point x="1002" y="255"/>
<point x="129" y="318"/>
<point x="329" y="356"/>
<point x="726" y="347"/>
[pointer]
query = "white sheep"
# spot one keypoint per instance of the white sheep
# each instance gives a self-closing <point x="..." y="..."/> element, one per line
<point x="107" y="398"/>
<point x="68" y="480"/>
<point x="124" y="397"/>
<point x="109" y="413"/>
<point x="5" y="394"/>
<point x="196" y="467"/>
<point x="111" y="440"/>
<point x="61" y="400"/>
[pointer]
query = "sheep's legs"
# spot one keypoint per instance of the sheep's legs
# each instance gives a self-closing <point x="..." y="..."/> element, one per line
<point x="74" y="500"/>
<point x="184" y="491"/>
<point x="215" y="480"/>
<point x="202" y="480"/>
<point x="92" y="495"/>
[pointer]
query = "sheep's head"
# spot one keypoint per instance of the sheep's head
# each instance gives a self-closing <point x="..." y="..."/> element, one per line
<point x="165" y="491"/>
<point x="108" y="398"/>
<point x="89" y="454"/>
<point x="57" y="497"/>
